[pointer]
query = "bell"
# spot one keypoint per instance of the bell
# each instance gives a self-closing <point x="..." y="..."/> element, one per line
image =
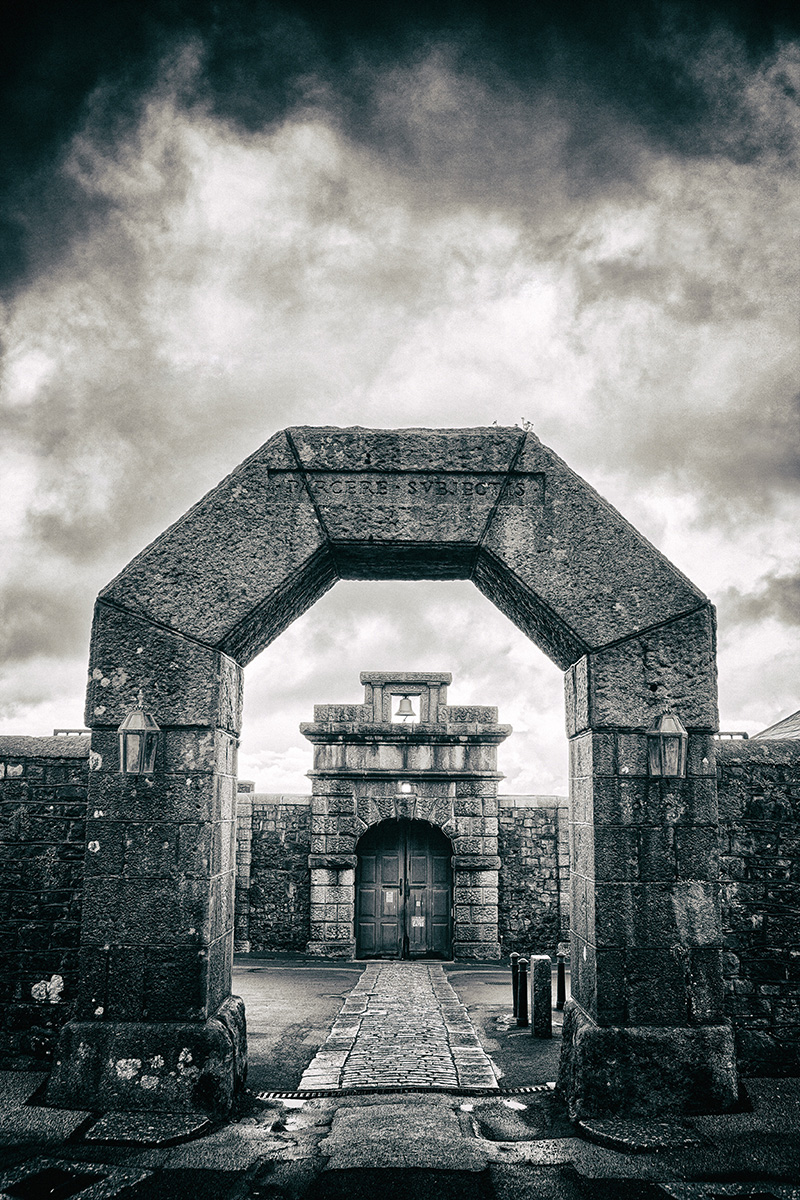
<point x="404" y="710"/>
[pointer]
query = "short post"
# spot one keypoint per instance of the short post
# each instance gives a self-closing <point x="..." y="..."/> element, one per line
<point x="514" y="978"/>
<point x="541" y="995"/>
<point x="561" y="980"/>
<point x="522" y="994"/>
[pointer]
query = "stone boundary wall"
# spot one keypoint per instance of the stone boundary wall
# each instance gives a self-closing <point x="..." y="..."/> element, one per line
<point x="42" y="844"/>
<point x="533" y="844"/>
<point x="273" y="881"/>
<point x="759" y="799"/>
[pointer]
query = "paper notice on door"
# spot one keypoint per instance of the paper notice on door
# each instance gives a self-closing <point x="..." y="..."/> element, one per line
<point x="417" y="922"/>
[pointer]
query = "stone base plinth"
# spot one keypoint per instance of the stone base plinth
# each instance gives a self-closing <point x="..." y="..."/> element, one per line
<point x="644" y="1070"/>
<point x="332" y="949"/>
<point x="164" y="1066"/>
<point x="471" y="951"/>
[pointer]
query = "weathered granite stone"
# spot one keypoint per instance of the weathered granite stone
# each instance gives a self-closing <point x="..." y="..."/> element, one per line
<point x="536" y="544"/>
<point x="631" y="682"/>
<point x="645" y="1071"/>
<point x="239" y="566"/>
<point x="183" y="683"/>
<point x="147" y="1129"/>
<point x="398" y="773"/>
<point x="158" y="1066"/>
<point x="541" y="966"/>
<point x="759" y="796"/>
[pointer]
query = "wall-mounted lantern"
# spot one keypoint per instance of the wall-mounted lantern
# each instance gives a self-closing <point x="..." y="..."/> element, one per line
<point x="138" y="742"/>
<point x="666" y="747"/>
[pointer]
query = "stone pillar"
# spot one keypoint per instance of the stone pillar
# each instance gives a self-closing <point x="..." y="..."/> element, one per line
<point x="541" y="995"/>
<point x="155" y="1025"/>
<point x="333" y="881"/>
<point x="645" y="1031"/>
<point x="332" y="863"/>
<point x="475" y="899"/>
<point x="476" y="867"/>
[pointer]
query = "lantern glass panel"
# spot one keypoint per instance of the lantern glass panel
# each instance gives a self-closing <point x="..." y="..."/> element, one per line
<point x="129" y="750"/>
<point x="654" y="753"/>
<point x="148" y="753"/>
<point x="671" y="754"/>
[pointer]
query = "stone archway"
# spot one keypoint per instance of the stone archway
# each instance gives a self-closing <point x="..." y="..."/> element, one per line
<point x="156" y="1025"/>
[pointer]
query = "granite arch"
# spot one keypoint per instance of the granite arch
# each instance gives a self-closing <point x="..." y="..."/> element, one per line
<point x="632" y="634"/>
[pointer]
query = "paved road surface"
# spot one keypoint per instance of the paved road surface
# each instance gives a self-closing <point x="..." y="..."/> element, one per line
<point x="401" y="1026"/>
<point x="291" y="1004"/>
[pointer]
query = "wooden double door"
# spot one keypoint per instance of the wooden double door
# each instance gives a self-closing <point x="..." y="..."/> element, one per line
<point x="404" y="892"/>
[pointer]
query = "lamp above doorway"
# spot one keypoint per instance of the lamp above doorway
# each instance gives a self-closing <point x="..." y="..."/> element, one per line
<point x="666" y="747"/>
<point x="138" y="742"/>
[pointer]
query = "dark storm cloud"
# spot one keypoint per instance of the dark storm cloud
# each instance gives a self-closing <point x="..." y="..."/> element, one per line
<point x="233" y="218"/>
<point x="37" y="622"/>
<point x="778" y="596"/>
<point x="670" y="73"/>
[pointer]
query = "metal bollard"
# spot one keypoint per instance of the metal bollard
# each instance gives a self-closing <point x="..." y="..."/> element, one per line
<point x="522" y="994"/>
<point x="514" y="977"/>
<point x="561" y="984"/>
<point x="562" y="952"/>
<point x="541" y="995"/>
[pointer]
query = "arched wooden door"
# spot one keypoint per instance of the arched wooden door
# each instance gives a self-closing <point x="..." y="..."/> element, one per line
<point x="404" y="892"/>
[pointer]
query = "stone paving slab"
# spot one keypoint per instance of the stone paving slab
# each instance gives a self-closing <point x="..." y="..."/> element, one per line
<point x="640" y="1136"/>
<point x="402" y="1025"/>
<point x="36" y="1124"/>
<point x="416" y="1133"/>
<point x="151" y="1129"/>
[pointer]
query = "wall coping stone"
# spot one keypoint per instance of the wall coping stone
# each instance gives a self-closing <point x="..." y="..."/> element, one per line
<point x="770" y="751"/>
<point x="524" y="801"/>
<point x="271" y="799"/>
<point x="382" y="677"/>
<point x="65" y="746"/>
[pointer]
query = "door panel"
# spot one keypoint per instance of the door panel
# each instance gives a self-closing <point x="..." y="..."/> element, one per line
<point x="366" y="928"/>
<point x="403" y="892"/>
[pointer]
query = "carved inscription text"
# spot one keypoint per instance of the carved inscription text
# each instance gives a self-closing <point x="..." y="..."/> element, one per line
<point x="406" y="490"/>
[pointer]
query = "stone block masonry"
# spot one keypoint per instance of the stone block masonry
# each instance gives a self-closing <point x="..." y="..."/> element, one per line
<point x="759" y="797"/>
<point x="439" y="770"/>
<point x="274" y="904"/>
<point x="43" y="816"/>
<point x="533" y="844"/>
<point x="42" y="829"/>
<point x="273" y="880"/>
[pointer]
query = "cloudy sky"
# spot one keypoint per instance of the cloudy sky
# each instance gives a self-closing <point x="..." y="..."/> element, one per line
<point x="220" y="220"/>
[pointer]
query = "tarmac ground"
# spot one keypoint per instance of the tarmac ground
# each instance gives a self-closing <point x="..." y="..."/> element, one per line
<point x="501" y="1144"/>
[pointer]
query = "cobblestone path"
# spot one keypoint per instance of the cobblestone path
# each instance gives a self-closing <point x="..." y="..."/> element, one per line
<point x="402" y="1025"/>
